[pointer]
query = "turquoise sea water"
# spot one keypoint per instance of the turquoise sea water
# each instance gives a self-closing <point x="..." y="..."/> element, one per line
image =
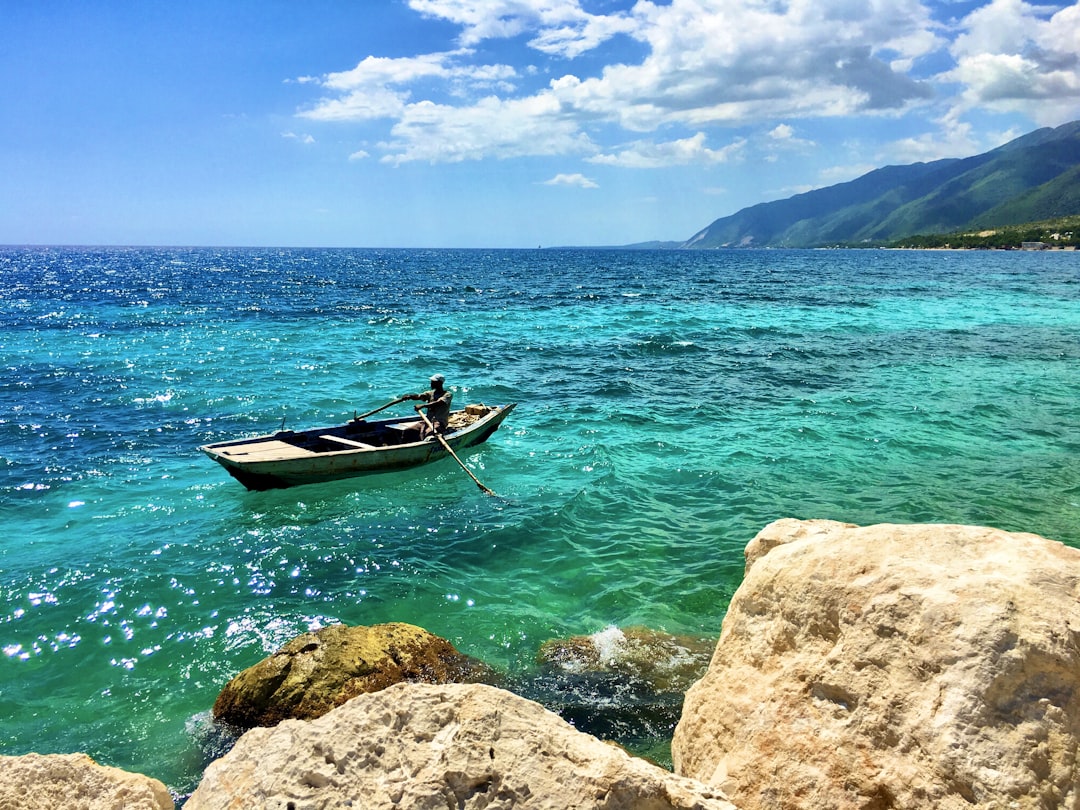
<point x="670" y="405"/>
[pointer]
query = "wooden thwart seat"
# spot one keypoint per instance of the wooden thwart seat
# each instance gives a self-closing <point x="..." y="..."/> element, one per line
<point x="347" y="442"/>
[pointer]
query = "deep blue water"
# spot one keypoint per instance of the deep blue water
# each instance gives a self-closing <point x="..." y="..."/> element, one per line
<point x="670" y="405"/>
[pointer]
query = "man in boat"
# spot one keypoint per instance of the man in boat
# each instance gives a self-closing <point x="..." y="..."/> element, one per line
<point x="437" y="402"/>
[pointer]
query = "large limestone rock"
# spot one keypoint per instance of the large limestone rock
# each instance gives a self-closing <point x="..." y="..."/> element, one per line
<point x="315" y="672"/>
<point x="75" y="782"/>
<point x="431" y="747"/>
<point x="893" y="666"/>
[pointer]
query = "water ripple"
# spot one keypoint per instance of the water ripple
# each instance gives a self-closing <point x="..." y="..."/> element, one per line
<point x="670" y="405"/>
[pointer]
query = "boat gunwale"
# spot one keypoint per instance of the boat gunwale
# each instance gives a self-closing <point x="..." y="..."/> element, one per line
<point x="301" y="454"/>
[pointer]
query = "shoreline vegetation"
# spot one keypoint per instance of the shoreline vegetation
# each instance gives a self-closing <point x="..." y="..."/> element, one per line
<point x="1060" y="233"/>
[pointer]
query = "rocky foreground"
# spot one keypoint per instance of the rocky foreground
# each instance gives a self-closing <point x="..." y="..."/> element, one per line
<point x="893" y="666"/>
<point x="925" y="666"/>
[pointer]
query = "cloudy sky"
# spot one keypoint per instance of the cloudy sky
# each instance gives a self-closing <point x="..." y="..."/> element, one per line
<point x="492" y="123"/>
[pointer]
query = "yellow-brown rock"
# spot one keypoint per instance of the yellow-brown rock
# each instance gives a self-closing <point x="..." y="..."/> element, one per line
<point x="75" y="781"/>
<point x="925" y="666"/>
<point x="316" y="672"/>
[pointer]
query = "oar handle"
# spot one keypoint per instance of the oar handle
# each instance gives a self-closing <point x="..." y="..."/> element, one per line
<point x="450" y="450"/>
<point x="381" y="408"/>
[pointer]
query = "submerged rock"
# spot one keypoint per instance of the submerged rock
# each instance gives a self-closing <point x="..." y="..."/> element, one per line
<point x="419" y="746"/>
<point x="611" y="707"/>
<point x="49" y="781"/>
<point x="893" y="666"/>
<point x="667" y="663"/>
<point x="316" y="672"/>
<point x="624" y="685"/>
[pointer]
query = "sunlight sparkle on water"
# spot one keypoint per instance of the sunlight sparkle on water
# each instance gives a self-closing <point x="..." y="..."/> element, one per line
<point x="655" y="435"/>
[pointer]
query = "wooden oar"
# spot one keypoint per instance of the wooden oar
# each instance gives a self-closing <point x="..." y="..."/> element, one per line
<point x="381" y="408"/>
<point x="450" y="450"/>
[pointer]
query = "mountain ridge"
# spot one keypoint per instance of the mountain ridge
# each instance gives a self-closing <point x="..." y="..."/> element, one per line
<point x="1035" y="173"/>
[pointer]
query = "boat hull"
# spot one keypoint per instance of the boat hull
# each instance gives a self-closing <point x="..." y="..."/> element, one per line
<point x="290" y="459"/>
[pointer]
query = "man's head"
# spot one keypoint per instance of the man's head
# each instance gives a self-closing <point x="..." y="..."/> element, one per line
<point x="437" y="381"/>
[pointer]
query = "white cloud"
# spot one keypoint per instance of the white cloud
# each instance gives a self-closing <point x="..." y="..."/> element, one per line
<point x="791" y="191"/>
<point x="574" y="40"/>
<point x="372" y="89"/>
<point x="359" y="106"/>
<point x="783" y="135"/>
<point x="952" y="138"/>
<point x="725" y="60"/>
<point x="649" y="155"/>
<point x="293" y="136"/>
<point x="783" y="132"/>
<point x="1001" y="26"/>
<point x="842" y="174"/>
<point x="579" y="180"/>
<point x="376" y="71"/>
<point x="715" y="62"/>
<point x="699" y="64"/>
<point x="565" y="29"/>
<point x="489" y="128"/>
<point x="1016" y="57"/>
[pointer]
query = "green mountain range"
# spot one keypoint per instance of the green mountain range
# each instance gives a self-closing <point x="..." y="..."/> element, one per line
<point x="1034" y="177"/>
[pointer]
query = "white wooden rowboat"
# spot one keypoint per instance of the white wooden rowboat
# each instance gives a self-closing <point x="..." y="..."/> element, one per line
<point x="359" y="447"/>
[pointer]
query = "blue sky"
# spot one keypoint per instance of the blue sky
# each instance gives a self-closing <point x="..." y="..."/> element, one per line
<point x="491" y="123"/>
